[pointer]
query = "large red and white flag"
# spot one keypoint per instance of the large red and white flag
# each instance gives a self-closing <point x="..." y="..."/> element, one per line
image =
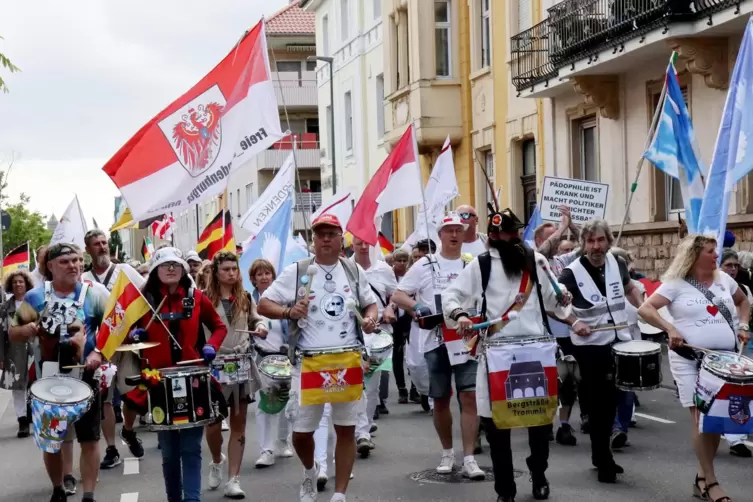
<point x="396" y="184"/>
<point x="186" y="153"/>
<point x="340" y="205"/>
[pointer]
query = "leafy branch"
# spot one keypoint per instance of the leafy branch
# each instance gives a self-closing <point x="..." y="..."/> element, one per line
<point x="8" y="65"/>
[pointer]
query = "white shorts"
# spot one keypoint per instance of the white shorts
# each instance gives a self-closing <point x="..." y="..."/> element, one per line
<point x="307" y="418"/>
<point x="685" y="373"/>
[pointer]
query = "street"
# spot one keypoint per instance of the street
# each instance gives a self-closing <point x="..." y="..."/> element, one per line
<point x="659" y="465"/>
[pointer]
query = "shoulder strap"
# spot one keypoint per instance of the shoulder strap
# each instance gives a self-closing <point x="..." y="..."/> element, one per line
<point x="381" y="300"/>
<point x="301" y="269"/>
<point x="485" y="265"/>
<point x="352" y="274"/>
<point x="108" y="276"/>
<point x="531" y="259"/>
<point x="710" y="297"/>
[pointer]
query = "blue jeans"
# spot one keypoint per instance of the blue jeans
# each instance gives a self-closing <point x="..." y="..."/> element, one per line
<point x="181" y="463"/>
<point x="625" y="400"/>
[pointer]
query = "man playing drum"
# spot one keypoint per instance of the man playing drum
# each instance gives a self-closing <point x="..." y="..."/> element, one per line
<point x="503" y="280"/>
<point x="64" y="314"/>
<point x="317" y="290"/>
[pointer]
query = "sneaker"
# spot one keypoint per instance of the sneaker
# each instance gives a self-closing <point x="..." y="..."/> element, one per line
<point x="58" y="495"/>
<point x="321" y="480"/>
<point x="112" y="458"/>
<point x="69" y="484"/>
<point x="414" y="396"/>
<point x="266" y="459"/>
<point x="23" y="428"/>
<point x="373" y="428"/>
<point x="338" y="497"/>
<point x="565" y="435"/>
<point x="382" y="407"/>
<point x="375" y="416"/>
<point x="285" y="450"/>
<point x="425" y="403"/>
<point x="225" y="426"/>
<point x="364" y="447"/>
<point x="472" y="471"/>
<point x="402" y="396"/>
<point x="740" y="450"/>
<point x="134" y="443"/>
<point x="233" y="489"/>
<point x="307" y="493"/>
<point x="446" y="464"/>
<point x="619" y="439"/>
<point x="215" y="474"/>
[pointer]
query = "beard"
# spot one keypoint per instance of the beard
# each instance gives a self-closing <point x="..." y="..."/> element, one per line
<point x="101" y="261"/>
<point x="513" y="255"/>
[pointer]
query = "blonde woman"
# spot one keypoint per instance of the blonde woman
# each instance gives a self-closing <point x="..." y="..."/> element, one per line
<point x="204" y="275"/>
<point x="237" y="310"/>
<point x="709" y="311"/>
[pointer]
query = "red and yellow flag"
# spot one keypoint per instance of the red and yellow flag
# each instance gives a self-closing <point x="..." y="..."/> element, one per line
<point x="522" y="384"/>
<point x="217" y="236"/>
<point x="125" y="306"/>
<point x="331" y="378"/>
<point x="385" y="245"/>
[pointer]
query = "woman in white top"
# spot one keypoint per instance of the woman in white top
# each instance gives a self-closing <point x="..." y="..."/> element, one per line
<point x="270" y="428"/>
<point x="700" y="321"/>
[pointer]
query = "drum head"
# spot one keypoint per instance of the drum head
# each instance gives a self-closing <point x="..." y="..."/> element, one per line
<point x="275" y="366"/>
<point x="728" y="365"/>
<point x="636" y="347"/>
<point x="61" y="390"/>
<point x="184" y="371"/>
<point x="381" y="342"/>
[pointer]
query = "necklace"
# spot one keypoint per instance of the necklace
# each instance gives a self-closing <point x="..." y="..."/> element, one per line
<point x="329" y="284"/>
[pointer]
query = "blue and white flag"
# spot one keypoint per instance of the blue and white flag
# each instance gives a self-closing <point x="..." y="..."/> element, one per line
<point x="674" y="149"/>
<point x="533" y="223"/>
<point x="732" y="158"/>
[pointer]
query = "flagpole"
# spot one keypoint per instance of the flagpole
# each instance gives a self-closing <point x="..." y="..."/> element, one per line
<point x="641" y="161"/>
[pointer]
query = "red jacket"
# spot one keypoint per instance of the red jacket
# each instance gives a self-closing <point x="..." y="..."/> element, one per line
<point x="204" y="314"/>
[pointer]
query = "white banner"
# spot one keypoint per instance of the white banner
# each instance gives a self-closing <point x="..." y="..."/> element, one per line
<point x="587" y="200"/>
<point x="441" y="188"/>
<point x="272" y="199"/>
<point x="72" y="227"/>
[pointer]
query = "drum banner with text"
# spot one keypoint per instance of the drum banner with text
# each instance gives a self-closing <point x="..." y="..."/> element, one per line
<point x="726" y="410"/>
<point x="331" y="378"/>
<point x="522" y="384"/>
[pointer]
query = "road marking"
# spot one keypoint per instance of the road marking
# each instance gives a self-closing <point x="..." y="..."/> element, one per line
<point x="130" y="466"/>
<point x="655" y="419"/>
<point x="130" y="497"/>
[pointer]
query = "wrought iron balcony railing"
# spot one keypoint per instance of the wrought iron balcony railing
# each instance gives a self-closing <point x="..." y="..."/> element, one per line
<point x="531" y="63"/>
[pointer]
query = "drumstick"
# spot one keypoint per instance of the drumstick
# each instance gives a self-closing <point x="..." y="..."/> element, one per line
<point x="310" y="272"/>
<point x="552" y="280"/>
<point x="155" y="313"/>
<point x="610" y="328"/>
<point x="74" y="366"/>
<point x="190" y="361"/>
<point x="350" y="304"/>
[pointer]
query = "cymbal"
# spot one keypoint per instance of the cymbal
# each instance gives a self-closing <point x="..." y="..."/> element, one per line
<point x="126" y="347"/>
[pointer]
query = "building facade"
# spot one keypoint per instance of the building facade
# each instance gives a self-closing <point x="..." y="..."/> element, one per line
<point x="291" y="44"/>
<point x="597" y="69"/>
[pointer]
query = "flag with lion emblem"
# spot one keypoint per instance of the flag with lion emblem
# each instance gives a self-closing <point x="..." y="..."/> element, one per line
<point x="186" y="153"/>
<point x="125" y="306"/>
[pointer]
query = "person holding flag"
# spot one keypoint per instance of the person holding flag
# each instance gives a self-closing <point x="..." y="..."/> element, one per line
<point x="315" y="303"/>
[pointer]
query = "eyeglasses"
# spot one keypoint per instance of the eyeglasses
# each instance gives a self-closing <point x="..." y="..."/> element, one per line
<point x="328" y="234"/>
<point x="467" y="216"/>
<point x="169" y="265"/>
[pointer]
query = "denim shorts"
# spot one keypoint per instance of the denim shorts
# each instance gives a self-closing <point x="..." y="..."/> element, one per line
<point x="441" y="371"/>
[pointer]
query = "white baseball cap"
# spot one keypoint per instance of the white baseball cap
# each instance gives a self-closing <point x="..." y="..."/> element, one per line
<point x="451" y="219"/>
<point x="193" y="256"/>
<point x="166" y="255"/>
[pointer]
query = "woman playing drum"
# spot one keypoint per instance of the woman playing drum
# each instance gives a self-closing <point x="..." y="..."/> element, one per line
<point x="237" y="310"/>
<point x="702" y="301"/>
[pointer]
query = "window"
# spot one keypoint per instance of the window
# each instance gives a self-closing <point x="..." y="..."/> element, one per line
<point x="528" y="179"/>
<point x="585" y="149"/>
<point x="312" y="126"/>
<point x="249" y="194"/>
<point x="348" y="122"/>
<point x="310" y="65"/>
<point x="289" y="67"/>
<point x="489" y="167"/>
<point x="344" y="19"/>
<point x="525" y="15"/>
<point x="238" y="202"/>
<point x="325" y="35"/>
<point x="486" y="41"/>
<point x="377" y="9"/>
<point x="442" y="37"/>
<point x="380" y="105"/>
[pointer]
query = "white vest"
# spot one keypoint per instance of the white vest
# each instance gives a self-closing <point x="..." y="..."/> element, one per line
<point x="604" y="310"/>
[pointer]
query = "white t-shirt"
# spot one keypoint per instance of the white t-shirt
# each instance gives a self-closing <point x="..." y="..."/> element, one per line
<point x="695" y="318"/>
<point x="418" y="281"/>
<point x="133" y="275"/>
<point x="474" y="248"/>
<point x="329" y="323"/>
<point x="382" y="278"/>
<point x="273" y="341"/>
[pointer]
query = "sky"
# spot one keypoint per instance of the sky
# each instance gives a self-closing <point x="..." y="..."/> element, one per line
<point x="92" y="73"/>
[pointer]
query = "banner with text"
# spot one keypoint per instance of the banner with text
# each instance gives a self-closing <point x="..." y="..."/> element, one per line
<point x="587" y="200"/>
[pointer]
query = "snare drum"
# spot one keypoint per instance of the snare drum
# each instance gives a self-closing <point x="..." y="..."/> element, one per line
<point x="331" y="375"/>
<point x="722" y="370"/>
<point x="380" y="349"/>
<point x="56" y="404"/>
<point x="229" y="369"/>
<point x="637" y="365"/>
<point x="182" y="399"/>
<point x="275" y="376"/>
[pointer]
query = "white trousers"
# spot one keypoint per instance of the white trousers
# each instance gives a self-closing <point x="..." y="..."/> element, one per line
<point x="271" y="428"/>
<point x="321" y="439"/>
<point x="366" y="414"/>
<point x="19" y="403"/>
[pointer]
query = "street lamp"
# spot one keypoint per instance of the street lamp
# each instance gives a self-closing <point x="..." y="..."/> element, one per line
<point x="330" y="62"/>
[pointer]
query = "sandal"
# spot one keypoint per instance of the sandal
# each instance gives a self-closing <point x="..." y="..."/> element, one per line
<point x="697" y="491"/>
<point x="720" y="499"/>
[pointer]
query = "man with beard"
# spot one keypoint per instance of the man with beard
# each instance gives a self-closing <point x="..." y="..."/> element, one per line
<point x="600" y="284"/>
<point x="511" y="269"/>
<point x="105" y="272"/>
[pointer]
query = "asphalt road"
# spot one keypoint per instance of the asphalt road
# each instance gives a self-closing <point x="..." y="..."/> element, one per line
<point x="659" y="464"/>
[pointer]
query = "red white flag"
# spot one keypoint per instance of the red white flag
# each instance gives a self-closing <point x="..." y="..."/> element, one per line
<point x="186" y="153"/>
<point x="340" y="205"/>
<point x="396" y="184"/>
<point x="163" y="229"/>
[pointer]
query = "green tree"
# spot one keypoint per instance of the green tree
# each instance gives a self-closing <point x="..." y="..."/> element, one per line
<point x="116" y="245"/>
<point x="5" y="62"/>
<point x="25" y="225"/>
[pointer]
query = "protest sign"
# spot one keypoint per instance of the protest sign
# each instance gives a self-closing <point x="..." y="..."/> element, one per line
<point x="587" y="200"/>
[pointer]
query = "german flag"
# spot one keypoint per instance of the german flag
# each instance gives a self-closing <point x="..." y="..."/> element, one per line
<point x="17" y="258"/>
<point x="147" y="249"/>
<point x="217" y="236"/>
<point x="385" y="244"/>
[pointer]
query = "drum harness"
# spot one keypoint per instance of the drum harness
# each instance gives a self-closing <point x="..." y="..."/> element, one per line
<point x="173" y="322"/>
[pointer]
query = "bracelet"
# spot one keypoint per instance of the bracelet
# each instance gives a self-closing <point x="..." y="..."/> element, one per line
<point x="286" y="313"/>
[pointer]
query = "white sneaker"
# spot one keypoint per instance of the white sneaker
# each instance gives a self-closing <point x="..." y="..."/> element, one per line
<point x="307" y="492"/>
<point x="337" y="497"/>
<point x="233" y="489"/>
<point x="215" y="474"/>
<point x="446" y="464"/>
<point x="285" y="450"/>
<point x="472" y="471"/>
<point x="266" y="459"/>
<point x="225" y="426"/>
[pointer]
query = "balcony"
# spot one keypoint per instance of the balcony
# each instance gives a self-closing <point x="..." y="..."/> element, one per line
<point x="306" y="203"/>
<point x="309" y="158"/>
<point x="580" y="35"/>
<point x="294" y="89"/>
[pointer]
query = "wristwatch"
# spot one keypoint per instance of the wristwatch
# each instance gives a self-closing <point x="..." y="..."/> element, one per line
<point x="744" y="327"/>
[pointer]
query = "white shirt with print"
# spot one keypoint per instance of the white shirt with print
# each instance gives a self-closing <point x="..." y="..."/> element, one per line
<point x="418" y="281"/>
<point x="329" y="324"/>
<point x="131" y="272"/>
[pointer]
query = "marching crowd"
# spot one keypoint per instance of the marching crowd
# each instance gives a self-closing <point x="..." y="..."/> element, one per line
<point x="424" y="303"/>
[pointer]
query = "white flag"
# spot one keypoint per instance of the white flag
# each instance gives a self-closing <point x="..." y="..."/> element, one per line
<point x="271" y="200"/>
<point x="440" y="190"/>
<point x="72" y="226"/>
<point x="340" y="205"/>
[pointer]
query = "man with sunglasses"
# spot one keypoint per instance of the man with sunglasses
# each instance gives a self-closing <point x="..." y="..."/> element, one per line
<point x="474" y="242"/>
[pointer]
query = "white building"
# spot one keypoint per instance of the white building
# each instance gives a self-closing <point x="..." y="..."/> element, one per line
<point x="290" y="40"/>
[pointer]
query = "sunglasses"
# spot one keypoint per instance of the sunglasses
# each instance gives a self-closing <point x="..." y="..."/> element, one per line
<point x="467" y="216"/>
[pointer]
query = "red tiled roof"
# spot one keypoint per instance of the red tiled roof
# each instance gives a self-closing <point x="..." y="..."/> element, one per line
<point x="291" y="20"/>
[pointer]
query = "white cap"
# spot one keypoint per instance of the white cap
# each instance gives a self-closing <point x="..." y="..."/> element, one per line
<point x="452" y="219"/>
<point x="166" y="255"/>
<point x="193" y="256"/>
